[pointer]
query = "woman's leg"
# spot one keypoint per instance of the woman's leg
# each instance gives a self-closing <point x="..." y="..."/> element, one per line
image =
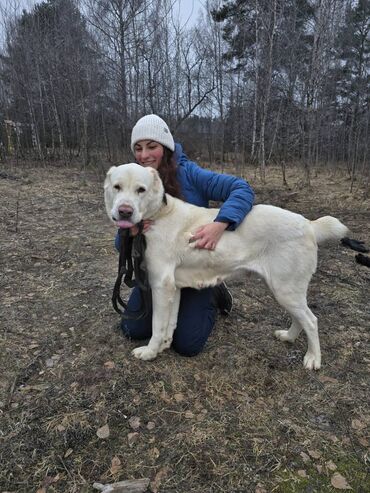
<point x="196" y="319"/>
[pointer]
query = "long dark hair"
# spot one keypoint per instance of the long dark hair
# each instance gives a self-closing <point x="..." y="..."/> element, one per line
<point x="167" y="171"/>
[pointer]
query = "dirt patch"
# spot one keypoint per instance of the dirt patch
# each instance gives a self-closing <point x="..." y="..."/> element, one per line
<point x="244" y="416"/>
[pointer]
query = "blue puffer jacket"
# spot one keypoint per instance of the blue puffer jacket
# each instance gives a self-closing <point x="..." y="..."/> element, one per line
<point x="199" y="186"/>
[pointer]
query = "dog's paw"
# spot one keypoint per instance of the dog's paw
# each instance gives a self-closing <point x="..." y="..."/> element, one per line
<point x="283" y="335"/>
<point x="144" y="353"/>
<point x="311" y="362"/>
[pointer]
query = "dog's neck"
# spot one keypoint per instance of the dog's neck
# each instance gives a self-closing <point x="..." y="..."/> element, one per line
<point x="165" y="208"/>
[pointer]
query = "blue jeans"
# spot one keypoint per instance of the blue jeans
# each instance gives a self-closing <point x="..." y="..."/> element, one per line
<point x="196" y="319"/>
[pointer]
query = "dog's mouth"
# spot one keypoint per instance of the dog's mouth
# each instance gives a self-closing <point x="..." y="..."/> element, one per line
<point x="123" y="216"/>
<point x="123" y="224"/>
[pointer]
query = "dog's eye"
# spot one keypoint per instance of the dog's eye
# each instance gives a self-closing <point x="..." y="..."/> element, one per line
<point x="141" y="190"/>
<point x="117" y="187"/>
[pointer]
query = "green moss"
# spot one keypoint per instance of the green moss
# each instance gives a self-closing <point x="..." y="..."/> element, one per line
<point x="351" y="467"/>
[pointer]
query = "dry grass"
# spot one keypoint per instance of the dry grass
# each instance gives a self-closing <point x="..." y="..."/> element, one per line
<point x="241" y="417"/>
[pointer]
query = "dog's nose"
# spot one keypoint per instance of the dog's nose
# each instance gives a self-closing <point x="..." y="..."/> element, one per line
<point x="125" y="211"/>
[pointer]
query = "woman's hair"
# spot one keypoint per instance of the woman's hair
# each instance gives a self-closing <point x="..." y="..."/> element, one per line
<point x="167" y="171"/>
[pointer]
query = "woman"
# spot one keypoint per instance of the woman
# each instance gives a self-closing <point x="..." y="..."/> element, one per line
<point x="153" y="145"/>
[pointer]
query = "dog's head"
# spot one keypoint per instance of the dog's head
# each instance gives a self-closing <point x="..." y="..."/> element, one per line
<point x="132" y="193"/>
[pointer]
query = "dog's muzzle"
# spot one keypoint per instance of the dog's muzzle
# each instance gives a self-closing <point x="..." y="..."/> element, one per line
<point x="125" y="213"/>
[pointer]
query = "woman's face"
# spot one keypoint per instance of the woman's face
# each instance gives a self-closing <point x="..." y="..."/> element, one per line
<point x="149" y="153"/>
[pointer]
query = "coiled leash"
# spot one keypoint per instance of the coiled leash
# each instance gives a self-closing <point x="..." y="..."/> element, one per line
<point x="132" y="262"/>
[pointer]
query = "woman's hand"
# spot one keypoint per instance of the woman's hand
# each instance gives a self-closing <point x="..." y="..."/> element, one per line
<point x="146" y="225"/>
<point x="207" y="236"/>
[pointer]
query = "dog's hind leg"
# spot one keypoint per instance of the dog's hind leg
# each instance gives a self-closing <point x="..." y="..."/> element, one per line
<point x="288" y="280"/>
<point x="304" y="319"/>
<point x="289" y="335"/>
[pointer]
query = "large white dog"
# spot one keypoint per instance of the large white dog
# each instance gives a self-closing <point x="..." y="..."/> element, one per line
<point x="279" y="245"/>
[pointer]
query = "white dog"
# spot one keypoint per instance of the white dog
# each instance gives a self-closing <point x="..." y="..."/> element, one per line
<point x="279" y="245"/>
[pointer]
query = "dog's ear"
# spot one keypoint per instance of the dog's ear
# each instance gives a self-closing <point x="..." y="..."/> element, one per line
<point x="156" y="179"/>
<point x="111" y="169"/>
<point x="107" y="182"/>
<point x="108" y="192"/>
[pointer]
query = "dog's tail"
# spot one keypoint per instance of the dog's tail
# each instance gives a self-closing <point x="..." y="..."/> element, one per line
<point x="328" y="228"/>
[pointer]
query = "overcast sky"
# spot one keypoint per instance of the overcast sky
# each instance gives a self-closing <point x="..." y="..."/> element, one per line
<point x="188" y="9"/>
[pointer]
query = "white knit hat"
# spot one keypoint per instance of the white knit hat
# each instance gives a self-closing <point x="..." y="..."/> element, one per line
<point x="152" y="127"/>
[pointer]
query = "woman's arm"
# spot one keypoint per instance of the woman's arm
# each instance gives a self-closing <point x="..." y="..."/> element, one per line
<point x="235" y="193"/>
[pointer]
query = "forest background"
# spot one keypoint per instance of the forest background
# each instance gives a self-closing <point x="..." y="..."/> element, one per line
<point x="252" y="81"/>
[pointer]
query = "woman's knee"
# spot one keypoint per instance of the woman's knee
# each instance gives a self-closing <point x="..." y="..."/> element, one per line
<point x="136" y="329"/>
<point x="197" y="317"/>
<point x="186" y="347"/>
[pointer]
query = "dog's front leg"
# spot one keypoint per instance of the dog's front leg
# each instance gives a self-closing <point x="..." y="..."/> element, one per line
<point x="172" y="321"/>
<point x="163" y="298"/>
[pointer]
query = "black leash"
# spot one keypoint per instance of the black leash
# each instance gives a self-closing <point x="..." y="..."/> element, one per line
<point x="132" y="262"/>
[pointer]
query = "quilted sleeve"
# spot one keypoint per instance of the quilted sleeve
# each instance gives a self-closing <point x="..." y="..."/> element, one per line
<point x="235" y="193"/>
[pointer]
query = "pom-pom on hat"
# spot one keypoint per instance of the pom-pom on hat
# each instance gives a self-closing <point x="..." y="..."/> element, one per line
<point x="152" y="127"/>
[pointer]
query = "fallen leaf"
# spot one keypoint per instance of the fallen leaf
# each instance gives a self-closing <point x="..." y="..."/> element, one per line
<point x="339" y="482"/>
<point x="154" y="453"/>
<point x="179" y="397"/>
<point x="116" y="465"/>
<point x="164" y="396"/>
<point x="302" y="473"/>
<point x="357" y="424"/>
<point x="134" y="422"/>
<point x="189" y="414"/>
<point x="315" y="454"/>
<point x="110" y="365"/>
<point x="150" y="425"/>
<point x="326" y="379"/>
<point x="305" y="457"/>
<point x="260" y="489"/>
<point x="156" y="483"/>
<point x="331" y="466"/>
<point x="103" y="432"/>
<point x="68" y="453"/>
<point x="364" y="441"/>
<point x="132" y="438"/>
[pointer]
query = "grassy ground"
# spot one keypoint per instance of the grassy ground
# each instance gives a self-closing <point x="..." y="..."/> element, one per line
<point x="244" y="416"/>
